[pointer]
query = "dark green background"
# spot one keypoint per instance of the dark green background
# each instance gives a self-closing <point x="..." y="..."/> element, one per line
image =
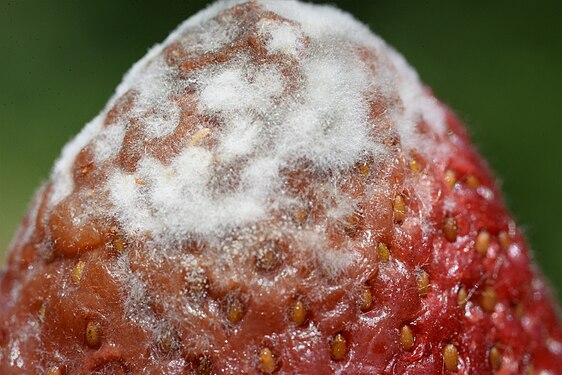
<point x="497" y="63"/>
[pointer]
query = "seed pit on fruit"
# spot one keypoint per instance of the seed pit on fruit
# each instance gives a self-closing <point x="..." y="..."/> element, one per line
<point x="199" y="136"/>
<point x="406" y="337"/>
<point x="267" y="257"/>
<point x="472" y="181"/>
<point x="338" y="347"/>
<point x="462" y="296"/>
<point x="92" y="334"/>
<point x="118" y="243"/>
<point x="77" y="272"/>
<point x="353" y="223"/>
<point x="167" y="341"/>
<point x="451" y="357"/>
<point x="234" y="310"/>
<point x="196" y="282"/>
<point x="495" y="358"/>
<point x="399" y="209"/>
<point x="488" y="299"/>
<point x="422" y="280"/>
<point x="482" y="242"/>
<point x="297" y="313"/>
<point x="300" y="215"/>
<point x="54" y="370"/>
<point x="366" y="298"/>
<point x="450" y="229"/>
<point x="267" y="362"/>
<point x="3" y="337"/>
<point x="204" y="366"/>
<point x="41" y="312"/>
<point x="450" y="178"/>
<point x="384" y="252"/>
<point x="519" y="310"/>
<point x="414" y="166"/>
<point x="364" y="168"/>
<point x="504" y="240"/>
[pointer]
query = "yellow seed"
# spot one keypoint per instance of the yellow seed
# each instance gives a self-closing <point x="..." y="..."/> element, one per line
<point x="462" y="296"/>
<point x="390" y="141"/>
<point x="406" y="337"/>
<point x="352" y="223"/>
<point x="267" y="361"/>
<point x="49" y="255"/>
<point x="414" y="166"/>
<point x="55" y="370"/>
<point x="450" y="229"/>
<point x="77" y="272"/>
<point x="364" y="168"/>
<point x="235" y="311"/>
<point x="530" y="369"/>
<point x="423" y="283"/>
<point x="366" y="298"/>
<point x="298" y="313"/>
<point x="139" y="181"/>
<point x="118" y="244"/>
<point x="86" y="169"/>
<point x="482" y="242"/>
<point x="92" y="334"/>
<point x="495" y="358"/>
<point x="451" y="357"/>
<point x="399" y="209"/>
<point x="384" y="253"/>
<point x="198" y="136"/>
<point x="205" y="366"/>
<point x="488" y="299"/>
<point x="338" y="346"/>
<point x="166" y="342"/>
<point x="267" y="256"/>
<point x="519" y="310"/>
<point x="472" y="181"/>
<point x="450" y="178"/>
<point x="504" y="240"/>
<point x="42" y="311"/>
<point x="300" y="215"/>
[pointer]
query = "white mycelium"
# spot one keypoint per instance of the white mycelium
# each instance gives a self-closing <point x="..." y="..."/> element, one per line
<point x="267" y="122"/>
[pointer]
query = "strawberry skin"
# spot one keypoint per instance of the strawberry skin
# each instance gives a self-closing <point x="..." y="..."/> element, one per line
<point x="272" y="190"/>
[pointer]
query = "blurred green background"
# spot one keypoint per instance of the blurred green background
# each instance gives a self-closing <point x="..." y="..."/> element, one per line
<point x="497" y="63"/>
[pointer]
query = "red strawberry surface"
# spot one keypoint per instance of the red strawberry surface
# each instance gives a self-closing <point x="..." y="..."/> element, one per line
<point x="272" y="190"/>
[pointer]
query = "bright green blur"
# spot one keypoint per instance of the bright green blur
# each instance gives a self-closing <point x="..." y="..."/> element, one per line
<point x="498" y="64"/>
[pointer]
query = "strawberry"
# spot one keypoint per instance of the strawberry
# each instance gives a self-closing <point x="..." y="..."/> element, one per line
<point x="272" y="190"/>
